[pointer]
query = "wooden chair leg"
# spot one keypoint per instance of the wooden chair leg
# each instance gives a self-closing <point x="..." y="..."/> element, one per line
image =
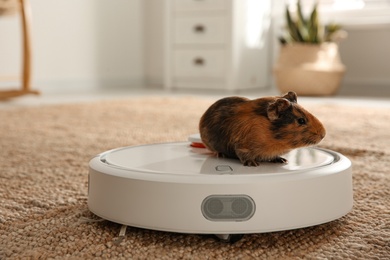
<point x="25" y="12"/>
<point x="26" y="23"/>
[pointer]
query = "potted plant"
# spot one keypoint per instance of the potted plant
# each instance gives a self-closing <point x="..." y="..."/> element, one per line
<point x="309" y="61"/>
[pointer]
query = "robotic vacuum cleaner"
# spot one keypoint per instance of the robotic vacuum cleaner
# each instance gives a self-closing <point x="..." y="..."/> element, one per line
<point x="182" y="187"/>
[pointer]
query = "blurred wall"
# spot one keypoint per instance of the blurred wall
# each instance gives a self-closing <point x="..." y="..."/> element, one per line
<point x="89" y="42"/>
<point x="366" y="54"/>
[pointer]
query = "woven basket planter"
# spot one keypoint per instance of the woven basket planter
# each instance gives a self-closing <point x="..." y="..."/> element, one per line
<point x="309" y="69"/>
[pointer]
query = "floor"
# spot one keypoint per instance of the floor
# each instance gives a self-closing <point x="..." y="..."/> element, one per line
<point x="61" y="95"/>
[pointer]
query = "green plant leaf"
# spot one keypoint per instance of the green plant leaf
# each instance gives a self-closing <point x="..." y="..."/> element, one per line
<point x="330" y="29"/>
<point x="313" y="26"/>
<point x="293" y="28"/>
<point x="282" y="40"/>
<point x="307" y="29"/>
<point x="300" y="13"/>
<point x="302" y="23"/>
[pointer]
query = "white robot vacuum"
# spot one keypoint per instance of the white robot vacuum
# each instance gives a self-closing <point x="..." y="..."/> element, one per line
<point x="182" y="187"/>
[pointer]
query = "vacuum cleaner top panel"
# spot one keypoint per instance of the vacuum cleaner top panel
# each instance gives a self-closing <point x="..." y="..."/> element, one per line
<point x="182" y="159"/>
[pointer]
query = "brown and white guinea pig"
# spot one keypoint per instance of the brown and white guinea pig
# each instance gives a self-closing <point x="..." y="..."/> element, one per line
<point x="258" y="130"/>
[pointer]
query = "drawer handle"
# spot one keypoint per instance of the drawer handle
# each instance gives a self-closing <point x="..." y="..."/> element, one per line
<point x="199" y="61"/>
<point x="199" y="28"/>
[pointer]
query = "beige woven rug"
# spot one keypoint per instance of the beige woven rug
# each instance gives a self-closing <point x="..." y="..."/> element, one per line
<point x="44" y="155"/>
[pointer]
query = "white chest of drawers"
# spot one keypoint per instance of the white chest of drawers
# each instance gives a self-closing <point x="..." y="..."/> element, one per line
<point x="216" y="44"/>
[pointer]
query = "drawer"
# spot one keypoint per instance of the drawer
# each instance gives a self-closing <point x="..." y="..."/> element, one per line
<point x="188" y="83"/>
<point x="198" y="30"/>
<point x="199" y="63"/>
<point x="199" y="5"/>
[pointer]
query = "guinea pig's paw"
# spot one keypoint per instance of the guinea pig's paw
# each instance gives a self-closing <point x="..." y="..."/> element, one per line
<point x="251" y="163"/>
<point x="279" y="160"/>
<point x="221" y="155"/>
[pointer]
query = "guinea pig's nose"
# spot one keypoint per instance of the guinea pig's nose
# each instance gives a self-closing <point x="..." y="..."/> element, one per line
<point x="322" y="134"/>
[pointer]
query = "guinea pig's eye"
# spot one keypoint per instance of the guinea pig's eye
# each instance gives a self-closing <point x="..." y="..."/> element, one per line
<point x="301" y="121"/>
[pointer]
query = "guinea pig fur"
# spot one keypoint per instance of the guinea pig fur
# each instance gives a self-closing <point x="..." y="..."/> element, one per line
<point x="258" y="130"/>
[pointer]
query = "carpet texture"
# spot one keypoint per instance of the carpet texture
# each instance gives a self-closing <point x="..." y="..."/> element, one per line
<point x="44" y="154"/>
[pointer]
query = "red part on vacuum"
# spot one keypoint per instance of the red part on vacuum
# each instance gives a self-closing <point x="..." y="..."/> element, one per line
<point x="198" y="145"/>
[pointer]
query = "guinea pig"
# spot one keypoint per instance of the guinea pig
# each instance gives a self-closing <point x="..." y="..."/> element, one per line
<point x="258" y="130"/>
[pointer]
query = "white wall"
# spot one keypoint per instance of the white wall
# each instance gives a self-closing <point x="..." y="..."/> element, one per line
<point x="154" y="36"/>
<point x="77" y="42"/>
<point x="366" y="53"/>
<point x="119" y="41"/>
<point x="10" y="46"/>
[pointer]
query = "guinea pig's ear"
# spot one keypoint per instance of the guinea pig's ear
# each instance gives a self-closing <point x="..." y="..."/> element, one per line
<point x="292" y="96"/>
<point x="277" y="107"/>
